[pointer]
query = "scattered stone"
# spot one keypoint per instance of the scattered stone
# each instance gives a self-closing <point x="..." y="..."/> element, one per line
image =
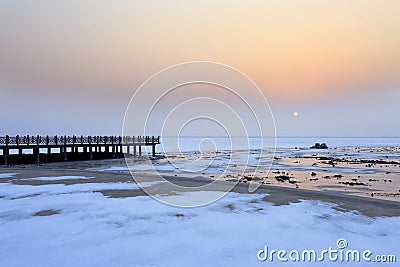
<point x="313" y="174"/>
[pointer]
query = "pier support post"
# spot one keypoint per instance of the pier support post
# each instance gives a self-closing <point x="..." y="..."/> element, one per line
<point x="36" y="153"/>
<point x="128" y="150"/>
<point x="6" y="151"/>
<point x="153" y="150"/>
<point x="65" y="148"/>
<point x="134" y="151"/>
<point x="5" y="156"/>
<point x="140" y="151"/>
<point x="90" y="153"/>
<point x="47" y="144"/>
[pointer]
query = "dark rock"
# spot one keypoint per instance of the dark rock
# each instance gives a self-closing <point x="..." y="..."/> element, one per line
<point x="325" y="158"/>
<point x="248" y="178"/>
<point x="319" y="146"/>
<point x="282" y="178"/>
<point x="352" y="183"/>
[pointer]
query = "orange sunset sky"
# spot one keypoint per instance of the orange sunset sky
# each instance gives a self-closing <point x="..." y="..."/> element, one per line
<point x="71" y="66"/>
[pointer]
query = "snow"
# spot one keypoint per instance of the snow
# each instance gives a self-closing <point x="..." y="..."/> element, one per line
<point x="93" y="230"/>
<point x="7" y="175"/>
<point x="57" y="178"/>
<point x="10" y="191"/>
<point x="115" y="168"/>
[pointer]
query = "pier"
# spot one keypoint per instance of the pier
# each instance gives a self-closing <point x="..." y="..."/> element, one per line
<point x="70" y="148"/>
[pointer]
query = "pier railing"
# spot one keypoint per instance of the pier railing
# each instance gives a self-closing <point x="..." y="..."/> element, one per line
<point x="73" y="140"/>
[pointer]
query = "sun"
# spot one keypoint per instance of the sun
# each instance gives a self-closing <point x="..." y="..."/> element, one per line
<point x="295" y="114"/>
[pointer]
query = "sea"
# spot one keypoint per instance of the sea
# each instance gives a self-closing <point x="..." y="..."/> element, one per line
<point x="218" y="143"/>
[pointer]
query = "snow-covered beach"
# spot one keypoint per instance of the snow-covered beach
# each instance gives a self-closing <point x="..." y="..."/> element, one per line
<point x="72" y="214"/>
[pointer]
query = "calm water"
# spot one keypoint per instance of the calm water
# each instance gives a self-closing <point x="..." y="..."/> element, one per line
<point x="188" y="144"/>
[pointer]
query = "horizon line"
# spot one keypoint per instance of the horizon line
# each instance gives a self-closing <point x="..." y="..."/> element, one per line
<point x="283" y="136"/>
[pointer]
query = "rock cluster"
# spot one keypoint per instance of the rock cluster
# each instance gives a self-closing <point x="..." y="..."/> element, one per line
<point x="319" y="146"/>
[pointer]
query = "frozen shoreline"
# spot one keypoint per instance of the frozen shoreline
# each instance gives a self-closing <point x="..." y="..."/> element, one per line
<point x="372" y="172"/>
<point x="86" y="217"/>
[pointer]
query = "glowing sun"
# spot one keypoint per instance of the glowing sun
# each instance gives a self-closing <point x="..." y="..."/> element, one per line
<point x="295" y="114"/>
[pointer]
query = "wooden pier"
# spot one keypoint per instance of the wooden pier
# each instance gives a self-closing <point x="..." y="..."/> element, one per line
<point x="69" y="148"/>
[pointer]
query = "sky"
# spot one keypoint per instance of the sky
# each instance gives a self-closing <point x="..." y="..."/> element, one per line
<point x="71" y="67"/>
